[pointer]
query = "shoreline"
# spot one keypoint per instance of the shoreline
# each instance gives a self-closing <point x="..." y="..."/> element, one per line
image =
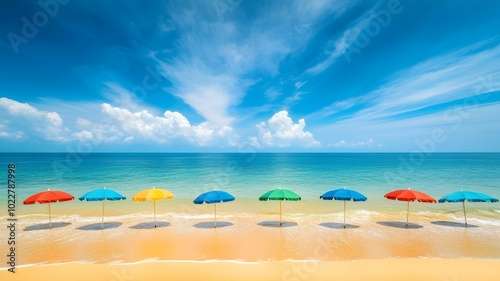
<point x="256" y="238"/>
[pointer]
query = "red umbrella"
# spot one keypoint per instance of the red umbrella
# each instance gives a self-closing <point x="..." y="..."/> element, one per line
<point x="409" y="195"/>
<point x="49" y="196"/>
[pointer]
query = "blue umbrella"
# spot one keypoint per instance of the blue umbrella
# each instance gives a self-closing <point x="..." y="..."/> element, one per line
<point x="471" y="196"/>
<point x="343" y="194"/>
<point x="214" y="197"/>
<point x="102" y="195"/>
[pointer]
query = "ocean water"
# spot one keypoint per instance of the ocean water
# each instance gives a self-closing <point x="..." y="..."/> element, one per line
<point x="247" y="176"/>
<point x="250" y="175"/>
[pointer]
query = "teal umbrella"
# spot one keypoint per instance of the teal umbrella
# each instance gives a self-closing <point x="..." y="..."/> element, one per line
<point x="343" y="194"/>
<point x="102" y="195"/>
<point x="280" y="194"/>
<point x="214" y="197"/>
<point x="471" y="196"/>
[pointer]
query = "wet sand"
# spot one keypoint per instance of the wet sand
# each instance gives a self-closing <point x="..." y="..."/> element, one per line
<point x="250" y="244"/>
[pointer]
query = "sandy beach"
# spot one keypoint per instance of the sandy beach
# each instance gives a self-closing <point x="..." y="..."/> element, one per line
<point x="253" y="247"/>
<point x="248" y="243"/>
<point x="388" y="269"/>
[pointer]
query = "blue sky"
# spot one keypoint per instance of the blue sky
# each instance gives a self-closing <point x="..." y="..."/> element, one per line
<point x="239" y="75"/>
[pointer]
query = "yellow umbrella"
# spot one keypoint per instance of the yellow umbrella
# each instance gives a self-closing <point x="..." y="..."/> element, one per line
<point x="153" y="194"/>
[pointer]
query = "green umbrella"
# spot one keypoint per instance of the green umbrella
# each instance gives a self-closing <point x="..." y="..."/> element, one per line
<point x="280" y="194"/>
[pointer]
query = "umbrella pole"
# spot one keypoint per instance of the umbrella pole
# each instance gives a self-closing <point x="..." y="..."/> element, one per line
<point x="344" y="213"/>
<point x="407" y="212"/>
<point x="465" y="214"/>
<point x="50" y="218"/>
<point x="215" y="215"/>
<point x="154" y="206"/>
<point x="281" y="223"/>
<point x="102" y="219"/>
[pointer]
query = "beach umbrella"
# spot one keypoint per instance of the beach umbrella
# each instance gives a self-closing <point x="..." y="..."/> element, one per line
<point x="214" y="197"/>
<point x="280" y="194"/>
<point x="471" y="196"/>
<point x="153" y="194"/>
<point x="47" y="197"/>
<point x="102" y="194"/>
<point x="409" y="195"/>
<point x="345" y="195"/>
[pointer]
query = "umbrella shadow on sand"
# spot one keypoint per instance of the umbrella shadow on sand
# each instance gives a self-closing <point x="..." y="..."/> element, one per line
<point x="46" y="226"/>
<point x="277" y="224"/>
<point x="98" y="226"/>
<point x="337" y="225"/>
<point x="209" y="224"/>
<point x="150" y="225"/>
<point x="400" y="224"/>
<point x="453" y="224"/>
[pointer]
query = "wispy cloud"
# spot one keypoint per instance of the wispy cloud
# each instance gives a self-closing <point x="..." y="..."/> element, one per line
<point x="338" y="106"/>
<point x="213" y="79"/>
<point x="436" y="81"/>
<point x="295" y="97"/>
<point x="462" y="74"/>
<point x="120" y="96"/>
<point x="338" y="47"/>
<point x="369" y="143"/>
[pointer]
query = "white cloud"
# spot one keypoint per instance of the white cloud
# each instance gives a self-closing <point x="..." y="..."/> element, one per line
<point x="281" y="131"/>
<point x="22" y="117"/>
<point x="123" y="125"/>
<point x="369" y="143"/>
<point x="111" y="125"/>
<point x="5" y="133"/>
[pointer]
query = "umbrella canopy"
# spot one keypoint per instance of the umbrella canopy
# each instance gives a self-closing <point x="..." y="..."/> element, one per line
<point x="409" y="195"/>
<point x="471" y="196"/>
<point x="280" y="194"/>
<point x="102" y="194"/>
<point x="47" y="197"/>
<point x="345" y="195"/>
<point x="214" y="197"/>
<point x="153" y="194"/>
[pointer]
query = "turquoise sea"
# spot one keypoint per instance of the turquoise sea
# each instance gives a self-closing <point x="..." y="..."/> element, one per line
<point x="247" y="176"/>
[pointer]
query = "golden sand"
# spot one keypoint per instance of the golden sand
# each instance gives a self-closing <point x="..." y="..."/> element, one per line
<point x="387" y="269"/>
<point x="250" y="245"/>
<point x="253" y="238"/>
